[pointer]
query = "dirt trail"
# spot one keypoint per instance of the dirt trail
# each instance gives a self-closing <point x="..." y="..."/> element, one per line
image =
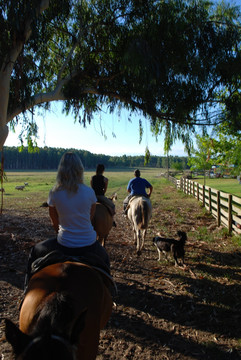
<point x="161" y="311"/>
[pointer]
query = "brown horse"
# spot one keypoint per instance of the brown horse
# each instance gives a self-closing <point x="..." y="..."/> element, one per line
<point x="103" y="221"/>
<point x="65" y="307"/>
<point x="139" y="214"/>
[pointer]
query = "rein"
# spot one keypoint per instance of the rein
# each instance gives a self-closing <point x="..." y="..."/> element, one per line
<point x="65" y="342"/>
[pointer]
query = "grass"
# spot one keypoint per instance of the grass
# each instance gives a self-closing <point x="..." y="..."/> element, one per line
<point x="40" y="183"/>
<point x="207" y="287"/>
<point x="236" y="240"/>
<point x="204" y="235"/>
<point x="230" y="186"/>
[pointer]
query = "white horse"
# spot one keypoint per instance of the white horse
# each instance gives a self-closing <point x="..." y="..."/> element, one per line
<point x="139" y="214"/>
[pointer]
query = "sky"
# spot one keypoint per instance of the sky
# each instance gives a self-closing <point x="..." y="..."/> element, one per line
<point x="109" y="134"/>
<point x="58" y="130"/>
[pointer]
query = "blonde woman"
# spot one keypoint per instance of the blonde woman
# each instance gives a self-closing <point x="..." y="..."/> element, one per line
<point x="71" y="208"/>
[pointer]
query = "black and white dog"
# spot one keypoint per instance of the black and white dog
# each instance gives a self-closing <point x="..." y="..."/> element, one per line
<point x="175" y="247"/>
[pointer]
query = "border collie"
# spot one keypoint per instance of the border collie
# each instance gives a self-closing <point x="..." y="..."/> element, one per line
<point x="175" y="247"/>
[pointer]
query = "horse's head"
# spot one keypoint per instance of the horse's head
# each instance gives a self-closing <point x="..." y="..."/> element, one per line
<point x="44" y="346"/>
<point x="113" y="197"/>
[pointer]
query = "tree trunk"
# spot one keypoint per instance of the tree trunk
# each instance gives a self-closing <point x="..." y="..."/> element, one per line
<point x="3" y="135"/>
<point x="6" y="72"/>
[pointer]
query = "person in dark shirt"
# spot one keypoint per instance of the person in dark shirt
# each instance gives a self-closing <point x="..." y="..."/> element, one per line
<point x="137" y="186"/>
<point x="99" y="184"/>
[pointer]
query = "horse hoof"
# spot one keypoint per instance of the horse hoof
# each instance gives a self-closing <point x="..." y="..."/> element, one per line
<point x="138" y="252"/>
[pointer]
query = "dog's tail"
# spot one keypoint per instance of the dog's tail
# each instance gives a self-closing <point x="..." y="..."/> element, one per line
<point x="183" y="236"/>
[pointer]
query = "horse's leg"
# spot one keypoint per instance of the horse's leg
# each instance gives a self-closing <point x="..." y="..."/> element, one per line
<point x="143" y="238"/>
<point x="134" y="231"/>
<point x="135" y="235"/>
<point x="138" y="245"/>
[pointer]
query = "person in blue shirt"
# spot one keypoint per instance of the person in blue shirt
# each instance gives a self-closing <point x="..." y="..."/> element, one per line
<point x="137" y="187"/>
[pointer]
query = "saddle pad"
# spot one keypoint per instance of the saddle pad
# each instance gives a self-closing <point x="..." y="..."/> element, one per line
<point x="56" y="256"/>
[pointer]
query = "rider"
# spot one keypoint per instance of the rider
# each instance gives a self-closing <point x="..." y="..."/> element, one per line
<point x="99" y="184"/>
<point x="71" y="208"/>
<point x="137" y="187"/>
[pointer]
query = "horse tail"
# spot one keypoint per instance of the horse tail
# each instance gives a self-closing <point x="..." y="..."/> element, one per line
<point x="144" y="211"/>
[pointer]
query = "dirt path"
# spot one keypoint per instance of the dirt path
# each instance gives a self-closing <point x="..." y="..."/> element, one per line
<point x="161" y="311"/>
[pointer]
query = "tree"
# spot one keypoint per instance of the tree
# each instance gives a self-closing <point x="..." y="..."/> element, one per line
<point x="175" y="62"/>
<point x="227" y="145"/>
<point x="204" y="156"/>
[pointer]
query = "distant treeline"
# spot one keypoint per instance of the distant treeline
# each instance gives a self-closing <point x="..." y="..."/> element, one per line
<point x="48" y="159"/>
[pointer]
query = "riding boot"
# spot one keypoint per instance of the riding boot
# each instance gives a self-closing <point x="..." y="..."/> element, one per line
<point x="125" y="210"/>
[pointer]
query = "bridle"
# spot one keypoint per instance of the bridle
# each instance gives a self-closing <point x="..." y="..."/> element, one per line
<point x="71" y="348"/>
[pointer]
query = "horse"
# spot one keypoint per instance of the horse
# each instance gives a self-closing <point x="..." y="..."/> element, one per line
<point x="139" y="213"/>
<point x="65" y="307"/>
<point x="103" y="221"/>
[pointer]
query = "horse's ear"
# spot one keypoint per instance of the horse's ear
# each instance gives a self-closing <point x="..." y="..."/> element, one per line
<point x="78" y="327"/>
<point x="16" y="337"/>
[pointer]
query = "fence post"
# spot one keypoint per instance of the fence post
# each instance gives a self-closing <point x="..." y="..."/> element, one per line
<point x="193" y="189"/>
<point x="230" y="218"/>
<point x="203" y="195"/>
<point x="210" y="200"/>
<point x="197" y="191"/>
<point x="218" y="209"/>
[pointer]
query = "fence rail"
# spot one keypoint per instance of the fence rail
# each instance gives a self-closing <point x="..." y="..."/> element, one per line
<point x="226" y="208"/>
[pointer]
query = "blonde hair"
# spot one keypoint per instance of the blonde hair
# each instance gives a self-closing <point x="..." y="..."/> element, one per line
<point x="70" y="173"/>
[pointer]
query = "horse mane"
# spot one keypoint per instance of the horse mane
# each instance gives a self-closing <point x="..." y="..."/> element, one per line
<point x="54" y="315"/>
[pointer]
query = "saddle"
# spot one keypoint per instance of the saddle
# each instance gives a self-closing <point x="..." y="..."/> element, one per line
<point x="131" y="199"/>
<point x="90" y="259"/>
<point x="106" y="206"/>
<point x="134" y="197"/>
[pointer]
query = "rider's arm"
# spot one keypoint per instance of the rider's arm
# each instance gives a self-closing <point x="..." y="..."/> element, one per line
<point x="106" y="184"/>
<point x="129" y="187"/>
<point x="150" y="191"/>
<point x="92" y="211"/>
<point x="54" y="218"/>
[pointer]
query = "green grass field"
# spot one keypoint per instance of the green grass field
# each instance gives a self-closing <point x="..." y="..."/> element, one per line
<point x="230" y="186"/>
<point x="40" y="183"/>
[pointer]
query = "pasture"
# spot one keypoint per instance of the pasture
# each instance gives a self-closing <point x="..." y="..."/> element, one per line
<point x="230" y="186"/>
<point x="161" y="311"/>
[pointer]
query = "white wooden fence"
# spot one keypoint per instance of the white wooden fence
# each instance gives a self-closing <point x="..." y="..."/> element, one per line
<point x="226" y="208"/>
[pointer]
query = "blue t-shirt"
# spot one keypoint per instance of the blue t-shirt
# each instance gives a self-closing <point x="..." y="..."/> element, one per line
<point x="75" y="228"/>
<point x="138" y="185"/>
